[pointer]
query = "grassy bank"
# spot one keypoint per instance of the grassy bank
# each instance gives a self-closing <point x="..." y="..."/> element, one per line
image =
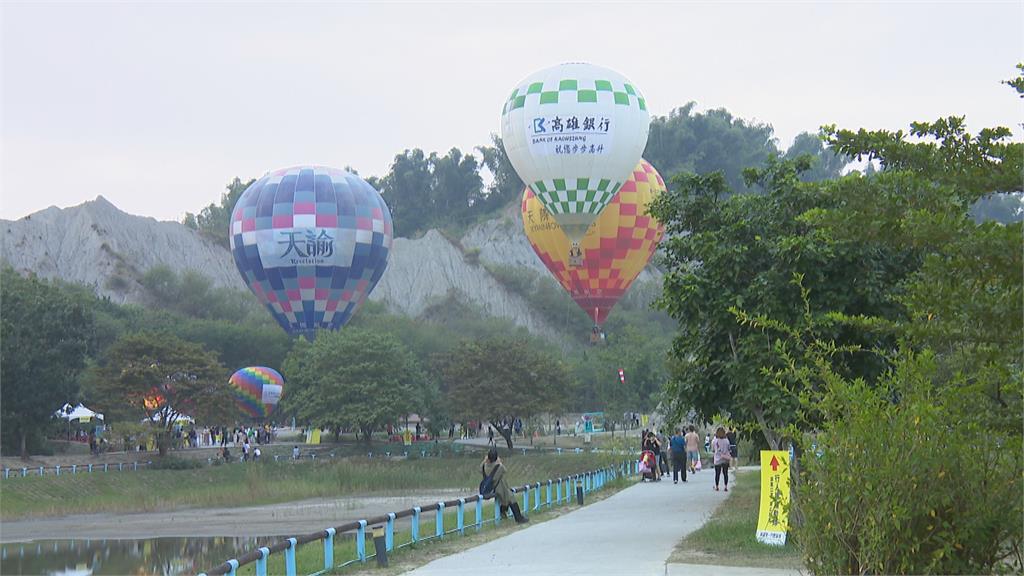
<point x="728" y="538"/>
<point x="267" y="482"/>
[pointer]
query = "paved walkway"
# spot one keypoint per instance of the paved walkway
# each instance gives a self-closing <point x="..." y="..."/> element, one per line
<point x="632" y="532"/>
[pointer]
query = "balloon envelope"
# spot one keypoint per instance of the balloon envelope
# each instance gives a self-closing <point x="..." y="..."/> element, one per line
<point x="573" y="132"/>
<point x="311" y="243"/>
<point x="257" y="390"/>
<point x="615" y="249"/>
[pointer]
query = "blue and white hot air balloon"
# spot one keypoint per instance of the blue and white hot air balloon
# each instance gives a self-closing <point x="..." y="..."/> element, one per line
<point x="311" y="242"/>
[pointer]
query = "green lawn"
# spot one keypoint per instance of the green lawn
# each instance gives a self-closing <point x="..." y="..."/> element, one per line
<point x="728" y="538"/>
<point x="265" y="482"/>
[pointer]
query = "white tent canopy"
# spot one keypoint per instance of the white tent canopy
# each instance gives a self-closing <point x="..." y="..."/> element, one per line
<point x="69" y="412"/>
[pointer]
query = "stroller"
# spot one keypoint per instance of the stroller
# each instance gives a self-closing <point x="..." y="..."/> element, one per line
<point x="649" y="466"/>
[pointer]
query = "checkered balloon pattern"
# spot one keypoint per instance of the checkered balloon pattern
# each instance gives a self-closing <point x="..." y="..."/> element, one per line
<point x="616" y="247"/>
<point x="247" y="387"/>
<point x="311" y="242"/>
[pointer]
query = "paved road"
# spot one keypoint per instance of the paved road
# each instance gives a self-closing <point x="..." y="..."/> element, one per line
<point x="632" y="532"/>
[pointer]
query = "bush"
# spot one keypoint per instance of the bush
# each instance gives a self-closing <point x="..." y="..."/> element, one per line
<point x="173" y="463"/>
<point x="910" y="478"/>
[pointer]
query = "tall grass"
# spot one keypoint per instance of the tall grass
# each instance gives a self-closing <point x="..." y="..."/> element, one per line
<point x="265" y="482"/>
<point x="729" y="537"/>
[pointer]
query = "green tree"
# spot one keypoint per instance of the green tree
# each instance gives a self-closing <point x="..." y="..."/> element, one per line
<point x="949" y="403"/>
<point x="825" y="164"/>
<point x="506" y="186"/>
<point x="706" y="142"/>
<point x="501" y="379"/>
<point x="353" y="379"/>
<point x="742" y="251"/>
<point x="160" y="375"/>
<point x="213" y="221"/>
<point x="44" y="340"/>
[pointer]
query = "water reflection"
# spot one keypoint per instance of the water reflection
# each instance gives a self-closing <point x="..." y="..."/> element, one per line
<point x="155" y="557"/>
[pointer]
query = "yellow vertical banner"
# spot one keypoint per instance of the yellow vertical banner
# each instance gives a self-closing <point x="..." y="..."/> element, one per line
<point x="407" y="437"/>
<point x="314" y="437"/>
<point x="773" y="519"/>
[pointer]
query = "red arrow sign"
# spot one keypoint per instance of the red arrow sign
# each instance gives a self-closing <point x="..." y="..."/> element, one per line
<point x="774" y="464"/>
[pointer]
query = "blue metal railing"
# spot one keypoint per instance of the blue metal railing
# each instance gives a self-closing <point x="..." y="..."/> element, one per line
<point x="564" y="488"/>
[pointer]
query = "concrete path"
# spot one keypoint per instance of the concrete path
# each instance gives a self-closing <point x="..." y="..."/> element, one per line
<point x="632" y="532"/>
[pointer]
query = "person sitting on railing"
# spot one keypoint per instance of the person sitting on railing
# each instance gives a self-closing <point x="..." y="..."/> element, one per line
<point x="502" y="492"/>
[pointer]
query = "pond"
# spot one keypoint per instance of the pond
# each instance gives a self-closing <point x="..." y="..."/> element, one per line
<point x="157" y="556"/>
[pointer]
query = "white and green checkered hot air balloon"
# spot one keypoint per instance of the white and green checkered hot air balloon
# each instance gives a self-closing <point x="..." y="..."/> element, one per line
<point x="574" y="133"/>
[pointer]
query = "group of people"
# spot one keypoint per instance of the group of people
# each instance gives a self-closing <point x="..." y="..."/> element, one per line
<point x="684" y="452"/>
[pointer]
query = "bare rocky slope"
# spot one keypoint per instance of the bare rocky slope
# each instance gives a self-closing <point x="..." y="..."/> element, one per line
<point x="98" y="245"/>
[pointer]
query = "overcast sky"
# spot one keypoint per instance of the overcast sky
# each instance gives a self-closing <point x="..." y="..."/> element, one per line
<point x="157" y="106"/>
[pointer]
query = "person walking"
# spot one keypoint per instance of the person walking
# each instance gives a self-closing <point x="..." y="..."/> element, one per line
<point x="502" y="492"/>
<point x="720" y="448"/>
<point x="692" y="449"/>
<point x="677" y="448"/>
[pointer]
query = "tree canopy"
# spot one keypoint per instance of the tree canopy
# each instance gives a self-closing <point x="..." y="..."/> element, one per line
<point x="46" y="339"/>
<point x="501" y="379"/>
<point x="353" y="379"/>
<point x="161" y="377"/>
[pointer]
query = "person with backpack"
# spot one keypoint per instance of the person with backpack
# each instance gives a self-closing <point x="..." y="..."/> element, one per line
<point x="495" y="485"/>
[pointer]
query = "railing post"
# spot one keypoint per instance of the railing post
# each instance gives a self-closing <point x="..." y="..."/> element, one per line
<point x="526" y="499"/>
<point x="7" y="473"/>
<point x="24" y="472"/>
<point x="329" y="549"/>
<point x="234" y="566"/>
<point x="460" y="517"/>
<point x="74" y="468"/>
<point x="439" y="530"/>
<point x="361" y="541"/>
<point x="549" y="494"/>
<point x="289" y="557"/>
<point x="389" y="532"/>
<point x="415" y="527"/>
<point x="497" y="512"/>
<point x="40" y="470"/>
<point x="536" y="498"/>
<point x="58" y="469"/>
<point x="90" y="468"/>
<point x="135" y="466"/>
<point x="558" y="490"/>
<point x="479" y="513"/>
<point x="261" y="562"/>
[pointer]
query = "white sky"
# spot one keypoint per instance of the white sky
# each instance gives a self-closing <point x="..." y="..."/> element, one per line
<point x="156" y="106"/>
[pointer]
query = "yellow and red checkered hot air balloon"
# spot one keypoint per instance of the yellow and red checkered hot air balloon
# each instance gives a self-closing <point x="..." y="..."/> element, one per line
<point x="615" y="249"/>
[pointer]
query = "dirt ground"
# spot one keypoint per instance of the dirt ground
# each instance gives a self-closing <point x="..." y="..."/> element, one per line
<point x="285" y="519"/>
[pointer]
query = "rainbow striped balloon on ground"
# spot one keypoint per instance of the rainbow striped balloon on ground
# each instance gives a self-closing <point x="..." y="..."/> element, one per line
<point x="257" y="390"/>
<point x="311" y="242"/>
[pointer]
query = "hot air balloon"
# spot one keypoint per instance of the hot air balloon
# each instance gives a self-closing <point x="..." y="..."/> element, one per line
<point x="616" y="248"/>
<point x="573" y="133"/>
<point x="311" y="242"/>
<point x="257" y="390"/>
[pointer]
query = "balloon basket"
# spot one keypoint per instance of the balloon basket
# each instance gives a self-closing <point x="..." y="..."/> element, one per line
<point x="575" y="256"/>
